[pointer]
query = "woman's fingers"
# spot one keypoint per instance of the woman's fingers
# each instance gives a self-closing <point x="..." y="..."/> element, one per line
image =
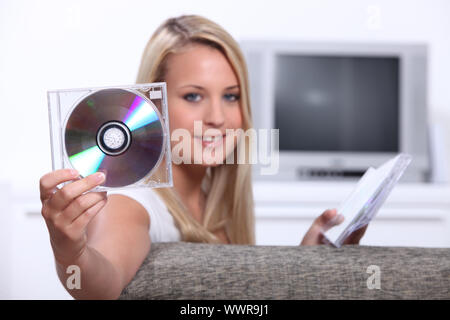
<point x="328" y="219"/>
<point x="80" y="223"/>
<point x="80" y="205"/>
<point x="325" y="221"/>
<point x="62" y="198"/>
<point x="49" y="182"/>
<point x="68" y="210"/>
<point x="356" y="236"/>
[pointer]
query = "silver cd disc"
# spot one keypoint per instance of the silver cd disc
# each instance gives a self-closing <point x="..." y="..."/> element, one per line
<point x="116" y="131"/>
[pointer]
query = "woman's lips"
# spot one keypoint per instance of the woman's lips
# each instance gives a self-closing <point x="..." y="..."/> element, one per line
<point x="211" y="141"/>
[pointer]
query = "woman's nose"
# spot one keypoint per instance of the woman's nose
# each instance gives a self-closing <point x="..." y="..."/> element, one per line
<point x="214" y="116"/>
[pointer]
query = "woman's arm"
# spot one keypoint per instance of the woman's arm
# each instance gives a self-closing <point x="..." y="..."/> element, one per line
<point x="106" y="240"/>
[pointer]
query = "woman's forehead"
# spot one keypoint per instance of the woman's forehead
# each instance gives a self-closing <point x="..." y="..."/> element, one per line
<point x="200" y="65"/>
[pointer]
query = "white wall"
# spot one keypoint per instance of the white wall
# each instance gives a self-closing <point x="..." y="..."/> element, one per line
<point x="62" y="44"/>
<point x="50" y="44"/>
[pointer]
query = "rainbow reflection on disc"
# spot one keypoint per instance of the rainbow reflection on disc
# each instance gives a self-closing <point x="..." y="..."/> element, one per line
<point x="115" y="131"/>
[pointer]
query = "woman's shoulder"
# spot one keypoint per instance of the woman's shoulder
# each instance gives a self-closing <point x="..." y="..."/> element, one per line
<point x="146" y="196"/>
<point x="142" y="195"/>
<point x="162" y="225"/>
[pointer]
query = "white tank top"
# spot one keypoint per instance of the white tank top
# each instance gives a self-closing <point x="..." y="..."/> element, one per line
<point x="162" y="225"/>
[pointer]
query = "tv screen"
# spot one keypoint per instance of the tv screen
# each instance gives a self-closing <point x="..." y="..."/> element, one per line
<point x="337" y="103"/>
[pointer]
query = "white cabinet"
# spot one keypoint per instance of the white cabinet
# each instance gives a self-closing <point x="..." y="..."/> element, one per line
<point x="5" y="241"/>
<point x="33" y="272"/>
<point x="413" y="215"/>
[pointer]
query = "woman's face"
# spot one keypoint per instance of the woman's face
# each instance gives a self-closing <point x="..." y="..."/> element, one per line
<point x="202" y="86"/>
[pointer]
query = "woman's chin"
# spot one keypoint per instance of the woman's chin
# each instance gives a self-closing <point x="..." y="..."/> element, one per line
<point x="210" y="160"/>
<point x="212" y="165"/>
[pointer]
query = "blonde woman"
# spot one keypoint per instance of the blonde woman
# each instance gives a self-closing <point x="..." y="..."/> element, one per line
<point x="108" y="237"/>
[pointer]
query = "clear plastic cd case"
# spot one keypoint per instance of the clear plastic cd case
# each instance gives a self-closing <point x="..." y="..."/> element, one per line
<point x="367" y="198"/>
<point x="122" y="131"/>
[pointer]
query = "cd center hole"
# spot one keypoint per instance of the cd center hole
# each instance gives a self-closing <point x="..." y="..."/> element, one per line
<point x="114" y="138"/>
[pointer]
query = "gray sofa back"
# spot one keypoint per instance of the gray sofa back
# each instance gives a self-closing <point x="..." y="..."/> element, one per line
<point x="207" y="271"/>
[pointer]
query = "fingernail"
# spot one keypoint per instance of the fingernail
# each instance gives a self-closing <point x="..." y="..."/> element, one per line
<point x="99" y="176"/>
<point x="331" y="213"/>
<point x="74" y="173"/>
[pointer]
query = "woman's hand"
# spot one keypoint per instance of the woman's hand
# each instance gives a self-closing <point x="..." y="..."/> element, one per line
<point x="324" y="222"/>
<point x="68" y="211"/>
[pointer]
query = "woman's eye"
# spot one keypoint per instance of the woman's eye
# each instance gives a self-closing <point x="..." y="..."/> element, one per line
<point x="231" y="97"/>
<point x="192" y="97"/>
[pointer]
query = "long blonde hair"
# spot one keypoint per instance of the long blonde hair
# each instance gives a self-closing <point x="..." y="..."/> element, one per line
<point x="229" y="203"/>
